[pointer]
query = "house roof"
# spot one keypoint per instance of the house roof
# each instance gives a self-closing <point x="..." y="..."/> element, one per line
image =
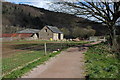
<point x="29" y="31"/>
<point x="54" y="29"/>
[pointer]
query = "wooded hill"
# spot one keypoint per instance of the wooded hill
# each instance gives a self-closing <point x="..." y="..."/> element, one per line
<point x="24" y="16"/>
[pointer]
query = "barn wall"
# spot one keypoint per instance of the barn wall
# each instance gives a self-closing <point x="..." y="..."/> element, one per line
<point x="61" y="36"/>
<point x="45" y="35"/>
<point x="55" y="36"/>
<point x="35" y="36"/>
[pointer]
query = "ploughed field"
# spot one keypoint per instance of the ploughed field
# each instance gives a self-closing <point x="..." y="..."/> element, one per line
<point x="19" y="53"/>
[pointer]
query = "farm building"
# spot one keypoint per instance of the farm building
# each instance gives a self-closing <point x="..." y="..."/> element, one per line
<point x="8" y="37"/>
<point x="47" y="33"/>
<point x="18" y="36"/>
<point x="50" y="33"/>
<point x="29" y="34"/>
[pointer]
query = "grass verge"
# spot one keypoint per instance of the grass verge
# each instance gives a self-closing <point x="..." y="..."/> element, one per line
<point x="13" y="62"/>
<point x="20" y="72"/>
<point x="101" y="62"/>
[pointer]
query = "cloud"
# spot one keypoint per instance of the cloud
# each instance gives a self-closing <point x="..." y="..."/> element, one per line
<point x="46" y="4"/>
<point x="38" y="3"/>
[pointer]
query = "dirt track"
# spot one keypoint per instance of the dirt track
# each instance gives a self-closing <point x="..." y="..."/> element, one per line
<point x="69" y="64"/>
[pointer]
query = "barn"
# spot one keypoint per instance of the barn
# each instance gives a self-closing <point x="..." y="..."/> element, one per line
<point x="29" y="34"/>
<point x="50" y="33"/>
<point x="46" y="33"/>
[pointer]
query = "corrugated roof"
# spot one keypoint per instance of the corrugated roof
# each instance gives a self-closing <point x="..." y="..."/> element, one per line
<point x="29" y="31"/>
<point x="54" y="29"/>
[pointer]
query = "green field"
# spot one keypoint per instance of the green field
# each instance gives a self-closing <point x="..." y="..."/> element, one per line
<point x="101" y="62"/>
<point x="15" y="61"/>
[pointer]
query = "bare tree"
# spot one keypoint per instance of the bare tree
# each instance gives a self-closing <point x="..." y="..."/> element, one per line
<point x="105" y="12"/>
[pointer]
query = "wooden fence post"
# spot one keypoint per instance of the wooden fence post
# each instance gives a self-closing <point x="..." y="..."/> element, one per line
<point x="45" y="49"/>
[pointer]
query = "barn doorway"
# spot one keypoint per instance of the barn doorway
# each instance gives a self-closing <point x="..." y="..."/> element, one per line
<point x="59" y="36"/>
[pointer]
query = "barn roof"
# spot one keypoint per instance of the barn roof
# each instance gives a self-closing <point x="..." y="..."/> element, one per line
<point x="54" y="29"/>
<point x="22" y="35"/>
<point x="29" y="31"/>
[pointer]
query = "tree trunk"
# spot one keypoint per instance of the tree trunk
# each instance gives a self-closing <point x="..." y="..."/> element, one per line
<point x="113" y="39"/>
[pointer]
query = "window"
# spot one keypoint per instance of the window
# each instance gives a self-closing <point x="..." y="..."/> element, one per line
<point x="45" y="30"/>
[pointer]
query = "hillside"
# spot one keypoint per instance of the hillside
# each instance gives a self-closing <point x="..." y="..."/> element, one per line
<point x="24" y="16"/>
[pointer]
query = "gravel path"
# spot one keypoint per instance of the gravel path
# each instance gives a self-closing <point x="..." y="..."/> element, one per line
<point x="68" y="64"/>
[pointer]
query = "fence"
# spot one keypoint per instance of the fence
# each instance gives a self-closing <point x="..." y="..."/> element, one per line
<point x="18" y="55"/>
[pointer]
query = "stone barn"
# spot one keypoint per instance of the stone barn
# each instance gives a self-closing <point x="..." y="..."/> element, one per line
<point x="50" y="33"/>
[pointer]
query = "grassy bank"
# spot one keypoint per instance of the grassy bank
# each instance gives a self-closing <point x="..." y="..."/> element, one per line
<point x="101" y="62"/>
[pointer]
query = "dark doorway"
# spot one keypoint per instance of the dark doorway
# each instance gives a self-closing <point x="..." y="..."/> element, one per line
<point x="59" y="36"/>
<point x="37" y="35"/>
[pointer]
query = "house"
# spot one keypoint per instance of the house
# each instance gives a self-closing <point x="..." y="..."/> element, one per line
<point x="50" y="33"/>
<point x="29" y="34"/>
